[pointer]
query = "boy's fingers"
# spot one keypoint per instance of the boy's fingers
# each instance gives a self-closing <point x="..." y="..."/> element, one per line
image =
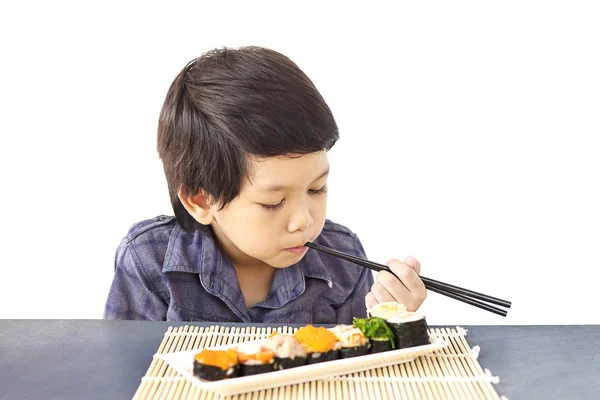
<point x="409" y="277"/>
<point x="392" y="284"/>
<point x="381" y="294"/>
<point x="412" y="262"/>
<point x="370" y="300"/>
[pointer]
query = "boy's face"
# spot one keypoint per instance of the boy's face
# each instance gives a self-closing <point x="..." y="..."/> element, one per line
<point x="280" y="207"/>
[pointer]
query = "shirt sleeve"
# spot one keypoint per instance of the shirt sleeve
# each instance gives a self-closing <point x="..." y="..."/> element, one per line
<point x="132" y="295"/>
<point x="355" y="305"/>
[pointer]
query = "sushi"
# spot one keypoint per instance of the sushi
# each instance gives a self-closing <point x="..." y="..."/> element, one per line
<point x="288" y="352"/>
<point x="353" y="342"/>
<point x="380" y="336"/>
<point x="255" y="358"/>
<point x="214" y="365"/>
<point x="409" y="328"/>
<point x="386" y="310"/>
<point x="388" y="326"/>
<point x="319" y="343"/>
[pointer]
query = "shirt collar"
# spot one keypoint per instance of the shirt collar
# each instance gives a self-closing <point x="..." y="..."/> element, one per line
<point x="198" y="253"/>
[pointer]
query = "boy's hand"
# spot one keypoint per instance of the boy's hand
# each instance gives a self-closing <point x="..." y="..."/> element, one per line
<point x="408" y="289"/>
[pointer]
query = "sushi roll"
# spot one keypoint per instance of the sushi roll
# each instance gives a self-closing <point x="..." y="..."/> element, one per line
<point x="288" y="352"/>
<point x="353" y="341"/>
<point x="410" y="329"/>
<point x="380" y="345"/>
<point x="319" y="344"/>
<point x="377" y="331"/>
<point x="386" y="310"/>
<point x="255" y="358"/>
<point x="214" y="365"/>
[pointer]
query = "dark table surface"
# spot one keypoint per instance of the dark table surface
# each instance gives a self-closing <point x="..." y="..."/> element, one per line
<point x="97" y="359"/>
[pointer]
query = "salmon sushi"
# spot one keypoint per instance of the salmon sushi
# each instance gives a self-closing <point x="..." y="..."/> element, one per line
<point x="319" y="343"/>
<point x="214" y="365"/>
<point x="255" y="358"/>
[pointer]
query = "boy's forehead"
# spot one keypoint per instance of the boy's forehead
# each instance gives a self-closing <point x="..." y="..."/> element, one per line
<point x="267" y="173"/>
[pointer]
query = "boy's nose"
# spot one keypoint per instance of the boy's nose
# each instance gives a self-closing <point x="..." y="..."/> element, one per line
<point x="300" y="220"/>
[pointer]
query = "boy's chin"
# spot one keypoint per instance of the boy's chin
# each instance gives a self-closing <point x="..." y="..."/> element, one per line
<point x="285" y="262"/>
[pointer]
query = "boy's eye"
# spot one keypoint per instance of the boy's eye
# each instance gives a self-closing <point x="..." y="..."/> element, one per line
<point x="272" y="207"/>
<point x="323" y="189"/>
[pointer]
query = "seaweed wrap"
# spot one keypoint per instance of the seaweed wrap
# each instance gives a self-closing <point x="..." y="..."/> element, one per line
<point x="353" y="342"/>
<point x="214" y="365"/>
<point x="377" y="331"/>
<point x="255" y="358"/>
<point x="288" y="352"/>
<point x="410" y="329"/>
<point x="319" y="343"/>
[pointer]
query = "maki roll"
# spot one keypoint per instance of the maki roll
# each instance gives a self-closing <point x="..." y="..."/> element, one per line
<point x="410" y="329"/>
<point x="386" y="310"/>
<point x="288" y="352"/>
<point x="319" y="343"/>
<point x="377" y="331"/>
<point x="353" y="342"/>
<point x="255" y="358"/>
<point x="214" y="365"/>
<point x="380" y="345"/>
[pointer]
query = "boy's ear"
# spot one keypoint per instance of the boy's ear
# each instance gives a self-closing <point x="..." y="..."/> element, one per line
<point x="197" y="206"/>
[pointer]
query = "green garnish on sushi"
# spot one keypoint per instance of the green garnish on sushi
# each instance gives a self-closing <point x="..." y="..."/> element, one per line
<point x="374" y="328"/>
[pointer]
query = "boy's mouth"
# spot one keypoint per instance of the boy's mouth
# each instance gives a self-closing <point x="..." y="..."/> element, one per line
<point x="297" y="250"/>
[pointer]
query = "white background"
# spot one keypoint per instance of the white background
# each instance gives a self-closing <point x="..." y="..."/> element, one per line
<point x="469" y="139"/>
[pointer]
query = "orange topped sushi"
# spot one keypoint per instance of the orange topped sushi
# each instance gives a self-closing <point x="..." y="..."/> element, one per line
<point x="255" y="358"/>
<point x="320" y="344"/>
<point x="214" y="365"/>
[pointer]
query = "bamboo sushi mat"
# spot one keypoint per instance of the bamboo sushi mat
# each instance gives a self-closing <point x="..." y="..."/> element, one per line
<point x="449" y="373"/>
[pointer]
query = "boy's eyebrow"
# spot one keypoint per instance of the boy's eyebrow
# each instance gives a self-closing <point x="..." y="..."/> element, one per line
<point x="276" y="188"/>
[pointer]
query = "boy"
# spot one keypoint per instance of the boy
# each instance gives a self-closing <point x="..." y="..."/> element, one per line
<point x="243" y="136"/>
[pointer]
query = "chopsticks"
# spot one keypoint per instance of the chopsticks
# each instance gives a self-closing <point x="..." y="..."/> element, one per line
<point x="473" y="298"/>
